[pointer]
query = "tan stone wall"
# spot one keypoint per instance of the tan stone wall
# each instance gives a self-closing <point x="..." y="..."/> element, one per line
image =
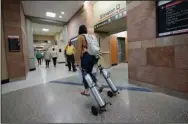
<point x="24" y="40"/>
<point x="4" y="73"/>
<point x="84" y="16"/>
<point x="13" y="24"/>
<point x="158" y="61"/>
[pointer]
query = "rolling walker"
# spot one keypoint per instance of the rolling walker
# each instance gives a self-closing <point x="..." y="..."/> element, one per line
<point x="114" y="91"/>
<point x="101" y="103"/>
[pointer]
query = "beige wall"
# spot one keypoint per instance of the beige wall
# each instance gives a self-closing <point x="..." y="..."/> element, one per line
<point x="105" y="49"/>
<point x="4" y="73"/>
<point x="84" y="16"/>
<point x="57" y="36"/>
<point x="157" y="61"/>
<point x="43" y="37"/>
<point x="14" y="24"/>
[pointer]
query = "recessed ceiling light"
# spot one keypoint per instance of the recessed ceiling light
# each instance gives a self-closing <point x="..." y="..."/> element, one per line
<point x="44" y="29"/>
<point x="60" y="16"/>
<point x="87" y="2"/>
<point x="50" y="14"/>
<point x="62" y="12"/>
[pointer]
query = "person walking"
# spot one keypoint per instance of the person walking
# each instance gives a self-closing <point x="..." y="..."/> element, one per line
<point x="54" y="56"/>
<point x="86" y="60"/>
<point x="38" y="56"/>
<point x="47" y="57"/>
<point x="69" y="51"/>
<point x="66" y="64"/>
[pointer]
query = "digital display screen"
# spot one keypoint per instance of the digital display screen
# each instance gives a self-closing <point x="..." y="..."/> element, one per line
<point x="172" y="17"/>
<point x="13" y="43"/>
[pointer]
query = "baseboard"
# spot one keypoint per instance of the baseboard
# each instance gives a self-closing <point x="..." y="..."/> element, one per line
<point x="156" y="88"/>
<point x="114" y="64"/>
<point x="32" y="69"/>
<point x="5" y="81"/>
<point x="17" y="79"/>
<point x="61" y="62"/>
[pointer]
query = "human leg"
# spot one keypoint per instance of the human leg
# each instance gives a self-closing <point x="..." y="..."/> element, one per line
<point x="46" y="61"/>
<point x="53" y="59"/>
<point x="73" y="63"/>
<point x="69" y="62"/>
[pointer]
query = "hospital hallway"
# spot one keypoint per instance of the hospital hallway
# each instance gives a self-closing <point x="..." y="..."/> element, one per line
<point x="48" y="48"/>
<point x="55" y="100"/>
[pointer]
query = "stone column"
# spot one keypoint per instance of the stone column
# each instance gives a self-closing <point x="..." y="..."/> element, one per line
<point x="14" y="25"/>
<point x="30" y="45"/>
<point x="158" y="61"/>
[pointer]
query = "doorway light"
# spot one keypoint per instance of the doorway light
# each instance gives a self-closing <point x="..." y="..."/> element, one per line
<point x="44" y="29"/>
<point x="50" y="14"/>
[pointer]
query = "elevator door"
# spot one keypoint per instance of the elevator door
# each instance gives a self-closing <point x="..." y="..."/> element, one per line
<point x="121" y="49"/>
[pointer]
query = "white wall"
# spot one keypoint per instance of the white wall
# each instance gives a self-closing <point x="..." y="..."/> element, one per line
<point x="121" y="34"/>
<point x="60" y="45"/>
<point x="64" y="35"/>
<point x="30" y="44"/>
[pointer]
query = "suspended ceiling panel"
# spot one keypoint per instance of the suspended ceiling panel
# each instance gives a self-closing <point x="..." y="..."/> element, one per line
<point x="39" y="9"/>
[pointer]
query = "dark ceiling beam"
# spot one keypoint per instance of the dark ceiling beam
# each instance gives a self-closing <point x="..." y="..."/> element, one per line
<point x="39" y="20"/>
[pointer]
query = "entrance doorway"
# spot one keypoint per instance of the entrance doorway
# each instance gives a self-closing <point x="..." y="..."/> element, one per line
<point x="121" y="49"/>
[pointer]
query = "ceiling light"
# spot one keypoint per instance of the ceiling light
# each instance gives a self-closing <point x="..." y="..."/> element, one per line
<point x="87" y="2"/>
<point x="50" y="14"/>
<point x="44" y="29"/>
<point x="60" y="16"/>
<point x="63" y="13"/>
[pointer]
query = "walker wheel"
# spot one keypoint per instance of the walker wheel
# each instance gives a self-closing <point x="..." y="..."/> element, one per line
<point x="110" y="94"/>
<point x="94" y="110"/>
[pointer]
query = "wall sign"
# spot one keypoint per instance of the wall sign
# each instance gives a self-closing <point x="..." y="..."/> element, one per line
<point x="13" y="43"/>
<point x="172" y="17"/>
<point x="107" y="11"/>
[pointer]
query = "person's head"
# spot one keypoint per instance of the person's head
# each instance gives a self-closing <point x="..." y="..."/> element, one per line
<point x="70" y="43"/>
<point x="53" y="49"/>
<point x="82" y="30"/>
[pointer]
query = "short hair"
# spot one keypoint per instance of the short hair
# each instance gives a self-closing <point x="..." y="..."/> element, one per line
<point x="53" y="49"/>
<point x="82" y="30"/>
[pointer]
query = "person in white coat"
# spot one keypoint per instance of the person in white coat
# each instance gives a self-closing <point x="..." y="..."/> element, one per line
<point x="47" y="57"/>
<point x="54" y="56"/>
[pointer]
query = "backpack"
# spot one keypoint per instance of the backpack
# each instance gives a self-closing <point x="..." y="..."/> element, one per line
<point x="92" y="44"/>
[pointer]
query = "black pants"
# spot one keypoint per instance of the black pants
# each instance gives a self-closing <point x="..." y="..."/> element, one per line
<point x="87" y="63"/>
<point x="71" y="62"/>
<point x="47" y="63"/>
<point x="39" y="61"/>
<point x="54" y="61"/>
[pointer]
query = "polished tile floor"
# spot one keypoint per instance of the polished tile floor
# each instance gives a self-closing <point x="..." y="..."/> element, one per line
<point x="58" y="102"/>
<point x="39" y="76"/>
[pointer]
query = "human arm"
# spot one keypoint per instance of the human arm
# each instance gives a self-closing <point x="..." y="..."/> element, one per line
<point x="78" y="50"/>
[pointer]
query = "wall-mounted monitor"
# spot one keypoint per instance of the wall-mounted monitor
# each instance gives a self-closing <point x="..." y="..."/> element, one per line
<point x="172" y="17"/>
<point x="14" y="43"/>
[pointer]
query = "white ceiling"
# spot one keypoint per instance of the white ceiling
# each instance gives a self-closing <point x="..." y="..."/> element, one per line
<point x="39" y="9"/>
<point x="37" y="29"/>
